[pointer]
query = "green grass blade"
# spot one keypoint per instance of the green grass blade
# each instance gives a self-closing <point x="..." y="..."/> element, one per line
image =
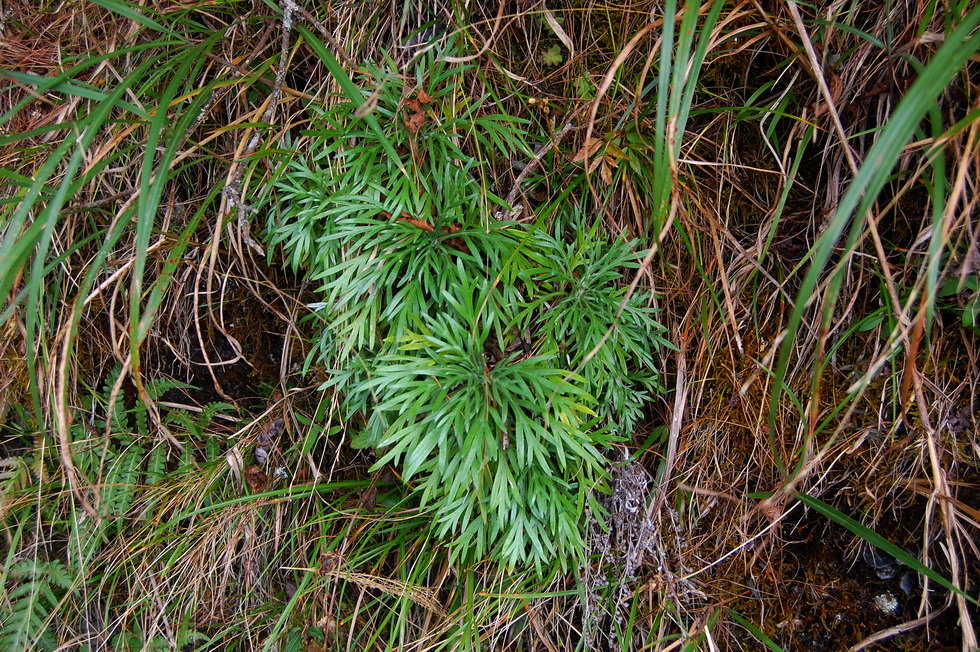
<point x="352" y="92"/>
<point x="878" y="541"/>
<point x="71" y="88"/>
<point x="755" y="631"/>
<point x="130" y="11"/>
<point x="689" y="85"/>
<point x="871" y="178"/>
<point x="154" y="176"/>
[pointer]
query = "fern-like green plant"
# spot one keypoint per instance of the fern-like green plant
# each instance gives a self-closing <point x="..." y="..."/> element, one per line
<point x="504" y="445"/>
<point x="579" y="305"/>
<point x="35" y="590"/>
<point x="378" y="231"/>
<point x="56" y="581"/>
<point x="492" y="363"/>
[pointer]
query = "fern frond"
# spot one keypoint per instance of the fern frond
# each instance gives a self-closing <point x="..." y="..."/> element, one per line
<point x="34" y="599"/>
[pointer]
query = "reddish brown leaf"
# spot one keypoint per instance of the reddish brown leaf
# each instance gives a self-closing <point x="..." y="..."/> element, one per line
<point x="588" y="150"/>
<point x="605" y="172"/>
<point x="456" y="243"/>
<point x="415" y="121"/>
<point x="256" y="478"/>
<point x="422" y="224"/>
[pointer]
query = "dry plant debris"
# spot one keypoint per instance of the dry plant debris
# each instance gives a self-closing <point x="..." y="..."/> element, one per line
<point x="803" y="181"/>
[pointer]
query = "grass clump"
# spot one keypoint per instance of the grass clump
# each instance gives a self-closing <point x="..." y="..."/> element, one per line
<point x="801" y="181"/>
<point x="492" y="363"/>
<point x="72" y="568"/>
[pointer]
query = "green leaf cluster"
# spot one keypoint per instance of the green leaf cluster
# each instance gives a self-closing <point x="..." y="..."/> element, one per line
<point x="580" y="306"/>
<point x="37" y="589"/>
<point x="489" y="362"/>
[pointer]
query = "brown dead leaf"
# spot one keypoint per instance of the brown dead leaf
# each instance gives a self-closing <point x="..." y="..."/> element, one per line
<point x="456" y="243"/>
<point x="415" y="111"/>
<point x="422" y="224"/>
<point x="588" y="150"/>
<point x="605" y="172"/>
<point x="256" y="478"/>
<point x="414" y="122"/>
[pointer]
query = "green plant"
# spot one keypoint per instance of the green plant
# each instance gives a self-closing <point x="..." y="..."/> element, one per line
<point x="491" y="363"/>
<point x="73" y="575"/>
<point x="963" y="297"/>
<point x="505" y="448"/>
<point x="580" y="307"/>
<point x="38" y="588"/>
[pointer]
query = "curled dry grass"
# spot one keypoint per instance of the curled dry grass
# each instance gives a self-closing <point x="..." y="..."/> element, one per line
<point x="871" y="410"/>
<point x="156" y="260"/>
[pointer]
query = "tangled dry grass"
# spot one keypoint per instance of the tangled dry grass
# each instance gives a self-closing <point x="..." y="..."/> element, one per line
<point x="148" y="258"/>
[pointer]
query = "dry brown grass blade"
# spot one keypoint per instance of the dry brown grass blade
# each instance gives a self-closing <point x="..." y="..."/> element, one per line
<point x="952" y="550"/>
<point x="63" y="421"/>
<point x="487" y="43"/>
<point x="892" y="632"/>
<point x="676" y="424"/>
<point x="610" y="76"/>
<point x="886" y="427"/>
